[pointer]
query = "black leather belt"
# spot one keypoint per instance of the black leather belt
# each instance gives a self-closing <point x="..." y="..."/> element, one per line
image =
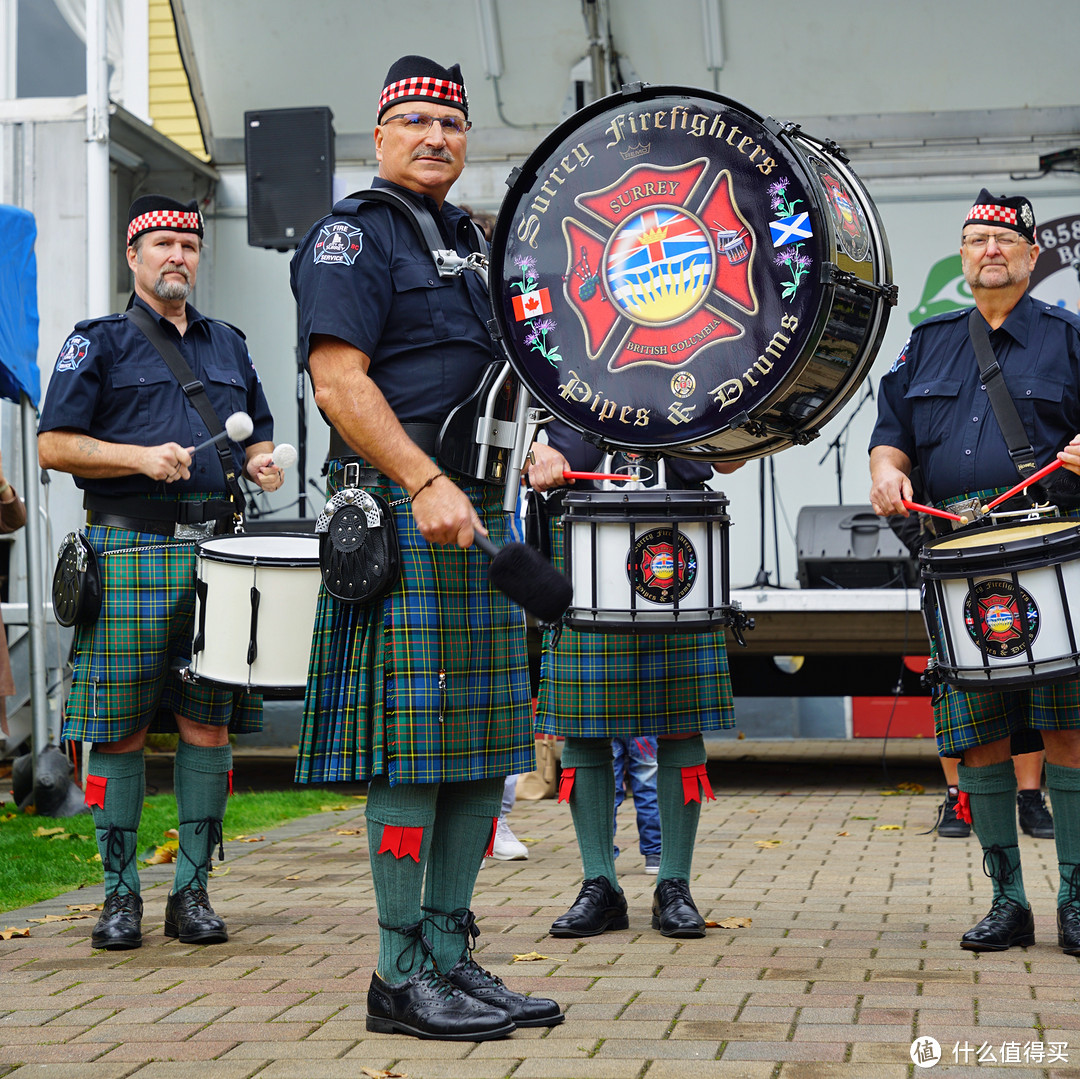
<point x="156" y="511"/>
<point x="352" y="474"/>
<point x="146" y="524"/>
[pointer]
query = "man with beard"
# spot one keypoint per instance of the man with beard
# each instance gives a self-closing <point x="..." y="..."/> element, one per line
<point x="424" y="693"/>
<point x="934" y="412"/>
<point x="119" y="421"/>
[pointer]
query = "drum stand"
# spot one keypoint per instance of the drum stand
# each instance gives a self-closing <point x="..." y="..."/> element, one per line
<point x="761" y="580"/>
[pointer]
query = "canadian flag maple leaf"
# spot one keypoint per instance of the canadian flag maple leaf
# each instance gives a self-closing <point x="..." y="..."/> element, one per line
<point x="531" y="304"/>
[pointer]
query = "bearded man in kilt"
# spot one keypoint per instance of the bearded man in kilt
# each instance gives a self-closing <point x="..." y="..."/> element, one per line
<point x="935" y="412"/>
<point x="425" y="693"/>
<point x="117" y="419"/>
<point x="599" y="686"/>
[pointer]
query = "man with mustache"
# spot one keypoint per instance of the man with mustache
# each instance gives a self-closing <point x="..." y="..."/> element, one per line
<point x="425" y="693"/>
<point x="120" y="422"/>
<point x="934" y="412"/>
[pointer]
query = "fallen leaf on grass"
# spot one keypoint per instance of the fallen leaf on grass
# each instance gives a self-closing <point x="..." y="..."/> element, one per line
<point x="11" y="931"/>
<point x="246" y="839"/>
<point x="768" y="844"/>
<point x="350" y="831"/>
<point x="59" y="918"/>
<point x="45" y="833"/>
<point x="373" y="1074"/>
<point x="912" y="788"/>
<point x="534" y="957"/>
<point x="887" y="828"/>
<point x="333" y="809"/>
<point x="9" y="816"/>
<point x="164" y="854"/>
<point x="732" y="923"/>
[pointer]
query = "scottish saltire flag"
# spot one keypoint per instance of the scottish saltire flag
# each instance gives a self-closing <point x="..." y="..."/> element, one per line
<point x="790" y="230"/>
<point x="660" y="245"/>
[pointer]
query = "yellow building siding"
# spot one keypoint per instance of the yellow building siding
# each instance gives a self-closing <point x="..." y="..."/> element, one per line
<point x="171" y="108"/>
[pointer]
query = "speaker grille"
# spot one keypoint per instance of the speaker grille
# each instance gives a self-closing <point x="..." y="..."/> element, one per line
<point x="289" y="156"/>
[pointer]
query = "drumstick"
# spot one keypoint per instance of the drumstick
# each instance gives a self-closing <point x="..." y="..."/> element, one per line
<point x="237" y="427"/>
<point x="1034" y="478"/>
<point x="569" y="474"/>
<point x="933" y="512"/>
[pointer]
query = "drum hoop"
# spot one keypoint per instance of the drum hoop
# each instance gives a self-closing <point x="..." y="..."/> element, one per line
<point x="1030" y="552"/>
<point x="205" y="553"/>
<point x="619" y="505"/>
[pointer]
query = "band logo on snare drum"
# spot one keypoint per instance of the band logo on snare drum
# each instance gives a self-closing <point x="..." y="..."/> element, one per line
<point x="1001" y="618"/>
<point x="654" y="571"/>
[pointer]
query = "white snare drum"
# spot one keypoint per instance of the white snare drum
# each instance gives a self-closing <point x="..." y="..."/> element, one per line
<point x="255" y="611"/>
<point x="1003" y="604"/>
<point x="647" y="561"/>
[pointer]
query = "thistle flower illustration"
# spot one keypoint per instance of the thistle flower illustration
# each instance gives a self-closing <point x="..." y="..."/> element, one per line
<point x="527" y="265"/>
<point x="797" y="263"/>
<point x="779" y="201"/>
<point x="536" y="339"/>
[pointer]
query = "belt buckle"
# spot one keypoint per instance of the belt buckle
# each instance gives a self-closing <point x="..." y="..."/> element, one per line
<point x="196" y="530"/>
<point x="352" y="475"/>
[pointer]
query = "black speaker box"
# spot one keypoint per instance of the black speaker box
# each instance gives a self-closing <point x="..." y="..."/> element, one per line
<point x="289" y="154"/>
<point x="851" y="547"/>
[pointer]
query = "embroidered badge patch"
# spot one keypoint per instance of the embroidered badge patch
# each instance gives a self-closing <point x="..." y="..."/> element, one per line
<point x="339" y="244"/>
<point x="73" y="353"/>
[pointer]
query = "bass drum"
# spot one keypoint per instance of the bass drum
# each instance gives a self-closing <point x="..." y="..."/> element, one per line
<point x="672" y="272"/>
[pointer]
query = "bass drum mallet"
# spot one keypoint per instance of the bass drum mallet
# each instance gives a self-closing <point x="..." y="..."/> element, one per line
<point x="524" y="575"/>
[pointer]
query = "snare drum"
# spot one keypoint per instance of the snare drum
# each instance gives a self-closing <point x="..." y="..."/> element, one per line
<point x="647" y="561"/>
<point x="998" y="604"/>
<point x="255" y="611"/>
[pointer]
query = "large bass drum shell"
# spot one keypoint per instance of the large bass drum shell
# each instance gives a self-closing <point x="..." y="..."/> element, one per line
<point x="671" y="272"/>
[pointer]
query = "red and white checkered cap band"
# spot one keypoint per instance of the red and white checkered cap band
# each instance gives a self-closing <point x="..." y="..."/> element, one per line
<point x="181" y="220"/>
<point x="985" y="211"/>
<point x="423" y="86"/>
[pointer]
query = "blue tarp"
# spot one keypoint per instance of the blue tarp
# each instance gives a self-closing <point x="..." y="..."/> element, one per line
<point x="18" y="306"/>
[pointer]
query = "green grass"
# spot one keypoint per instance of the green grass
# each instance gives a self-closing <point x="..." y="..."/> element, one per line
<point x="34" y="868"/>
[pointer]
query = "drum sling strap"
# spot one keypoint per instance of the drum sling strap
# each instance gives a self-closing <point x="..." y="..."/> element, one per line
<point x="430" y="236"/>
<point x="1012" y="427"/>
<point x="195" y="392"/>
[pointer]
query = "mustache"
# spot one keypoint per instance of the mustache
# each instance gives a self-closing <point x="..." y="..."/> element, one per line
<point x="435" y="151"/>
<point x="176" y="269"/>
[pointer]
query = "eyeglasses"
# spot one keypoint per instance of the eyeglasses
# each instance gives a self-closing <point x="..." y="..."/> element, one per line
<point x="1004" y="240"/>
<point x="422" y="121"/>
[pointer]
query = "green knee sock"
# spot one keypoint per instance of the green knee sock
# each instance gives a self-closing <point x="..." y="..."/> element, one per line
<point x="1064" y="787"/>
<point x="678" y="817"/>
<point x="465" y="815"/>
<point x="992" y="793"/>
<point x="201" y="779"/>
<point x="397" y="869"/>
<point x="115" y="788"/>
<point x="592" y="804"/>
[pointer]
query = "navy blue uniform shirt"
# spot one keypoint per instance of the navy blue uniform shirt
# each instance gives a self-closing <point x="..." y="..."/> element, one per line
<point x="366" y="279"/>
<point x="933" y="405"/>
<point x="111" y="383"/>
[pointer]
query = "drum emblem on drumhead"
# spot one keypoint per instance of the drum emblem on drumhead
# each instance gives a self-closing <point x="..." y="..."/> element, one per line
<point x="852" y="232"/>
<point x="655" y="572"/>
<point x="1001" y="618"/>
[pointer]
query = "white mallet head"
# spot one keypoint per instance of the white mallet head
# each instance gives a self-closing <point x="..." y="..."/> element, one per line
<point x="284" y="455"/>
<point x="239" y="426"/>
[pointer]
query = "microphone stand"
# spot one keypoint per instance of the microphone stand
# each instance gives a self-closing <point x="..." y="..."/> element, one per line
<point x="835" y="445"/>
<point x="761" y="580"/>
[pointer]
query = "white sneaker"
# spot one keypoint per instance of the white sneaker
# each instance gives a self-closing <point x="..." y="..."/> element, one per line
<point x="507" y="847"/>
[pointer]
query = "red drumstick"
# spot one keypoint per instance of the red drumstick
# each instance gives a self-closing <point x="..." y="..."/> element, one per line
<point x="1044" y="471"/>
<point x="933" y="512"/>
<point x="571" y="475"/>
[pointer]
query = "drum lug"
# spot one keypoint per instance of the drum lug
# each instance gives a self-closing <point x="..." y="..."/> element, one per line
<point x="738" y="621"/>
<point x="831" y="274"/>
<point x="931" y="677"/>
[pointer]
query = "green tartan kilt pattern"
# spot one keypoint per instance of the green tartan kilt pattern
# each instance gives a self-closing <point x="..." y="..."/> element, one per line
<point x="125" y="671"/>
<point x="430" y="685"/>
<point x="616" y="685"/>
<point x="963" y="718"/>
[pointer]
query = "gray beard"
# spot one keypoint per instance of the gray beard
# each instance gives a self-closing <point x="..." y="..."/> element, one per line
<point x="171" y="290"/>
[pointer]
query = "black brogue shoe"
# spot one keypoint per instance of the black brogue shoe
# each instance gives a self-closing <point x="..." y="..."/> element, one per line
<point x="189" y="916"/>
<point x="426" y="1005"/>
<point x="481" y="984"/>
<point x="1007" y="925"/>
<point x="674" y="912"/>
<point x="120" y="926"/>
<point x="598" y="907"/>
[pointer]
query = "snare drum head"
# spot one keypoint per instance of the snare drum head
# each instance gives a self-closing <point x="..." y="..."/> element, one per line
<point x="660" y="276"/>
<point x="280" y="548"/>
<point x="984" y="537"/>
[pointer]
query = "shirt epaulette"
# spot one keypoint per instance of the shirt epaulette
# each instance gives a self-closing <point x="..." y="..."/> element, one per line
<point x="87" y="323"/>
<point x="236" y="329"/>
<point x="945" y="316"/>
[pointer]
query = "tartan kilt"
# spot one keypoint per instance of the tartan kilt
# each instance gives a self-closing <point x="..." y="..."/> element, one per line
<point x="125" y="669"/>
<point x="429" y="685"/>
<point x="617" y="685"/>
<point x="967" y="718"/>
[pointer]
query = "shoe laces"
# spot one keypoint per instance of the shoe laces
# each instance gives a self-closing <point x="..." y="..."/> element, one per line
<point x="417" y="939"/>
<point x="214" y="830"/>
<point x="196" y="896"/>
<point x="1072" y="882"/>
<point x="116" y="858"/>
<point x="121" y="903"/>
<point x="595" y="888"/>
<point x="998" y="866"/>
<point x="674" y="887"/>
